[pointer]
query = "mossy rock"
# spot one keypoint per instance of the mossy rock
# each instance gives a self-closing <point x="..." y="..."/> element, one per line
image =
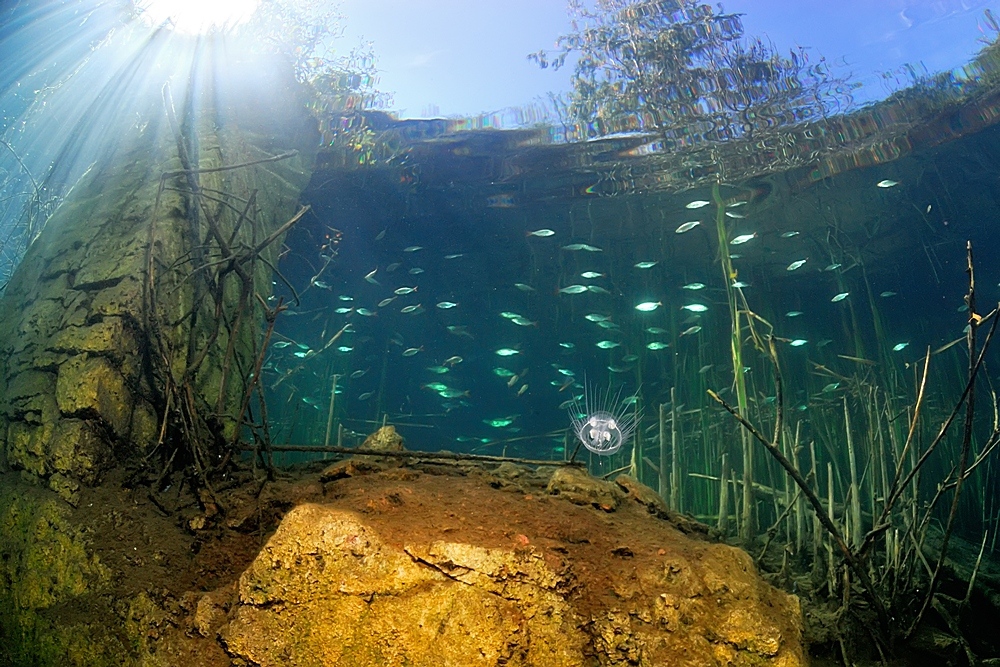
<point x="93" y="386"/>
<point x="46" y="574"/>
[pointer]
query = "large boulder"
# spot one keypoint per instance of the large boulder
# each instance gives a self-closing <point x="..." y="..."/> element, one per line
<point x="402" y="563"/>
<point x="573" y="585"/>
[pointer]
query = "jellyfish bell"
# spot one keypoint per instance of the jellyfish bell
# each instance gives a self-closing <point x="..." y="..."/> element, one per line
<point x="603" y="423"/>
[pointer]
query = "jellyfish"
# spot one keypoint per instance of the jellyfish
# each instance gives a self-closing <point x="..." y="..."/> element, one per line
<point x="603" y="423"/>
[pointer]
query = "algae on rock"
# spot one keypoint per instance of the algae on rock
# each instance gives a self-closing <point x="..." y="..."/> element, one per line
<point x="108" y="309"/>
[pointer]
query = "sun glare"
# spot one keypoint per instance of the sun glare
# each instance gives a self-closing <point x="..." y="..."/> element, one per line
<point x="198" y="16"/>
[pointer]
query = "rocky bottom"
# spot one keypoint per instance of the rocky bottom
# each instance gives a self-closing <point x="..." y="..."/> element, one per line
<point x="377" y="562"/>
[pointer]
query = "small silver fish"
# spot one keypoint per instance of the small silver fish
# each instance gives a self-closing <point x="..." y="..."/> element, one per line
<point x="404" y="290"/>
<point x="589" y="275"/>
<point x="413" y="248"/>
<point x="645" y="265"/>
<point x="410" y="351"/>
<point x="415" y="271"/>
<point x="788" y="235"/>
<point x="573" y="289"/>
<point x="459" y="330"/>
<point x="886" y="183"/>
<point x="743" y="238"/>
<point x="840" y="297"/>
<point x="657" y="345"/>
<point x="698" y="203"/>
<point x="691" y="330"/>
<point x="795" y="265"/>
<point x="524" y="288"/>
<point x="445" y="305"/>
<point x="392" y="267"/>
<point x="542" y="233"/>
<point x="693" y="286"/>
<point x="371" y="277"/>
<point x="581" y="246"/>
<point x="385" y="302"/>
<point x="597" y="289"/>
<point x="687" y="226"/>
<point x="409" y="309"/>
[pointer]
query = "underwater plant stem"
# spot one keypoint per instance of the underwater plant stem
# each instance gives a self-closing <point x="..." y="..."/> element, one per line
<point x="852" y="562"/>
<point x="675" y="468"/>
<point x="775" y="527"/>
<point x="271" y="316"/>
<point x="975" y="570"/>
<point x="664" y="479"/>
<point x="800" y="514"/>
<point x="229" y="167"/>
<point x="855" y="508"/>
<point x="723" y="523"/>
<point x="963" y="458"/>
<point x="916" y="467"/>
<point x="747" y="527"/>
<point x="329" y="414"/>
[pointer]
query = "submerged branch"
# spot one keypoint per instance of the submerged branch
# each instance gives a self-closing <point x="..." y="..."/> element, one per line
<point x="443" y="456"/>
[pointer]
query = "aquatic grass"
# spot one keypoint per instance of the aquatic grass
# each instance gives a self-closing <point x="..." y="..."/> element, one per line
<point x="879" y="502"/>
<point x="747" y="525"/>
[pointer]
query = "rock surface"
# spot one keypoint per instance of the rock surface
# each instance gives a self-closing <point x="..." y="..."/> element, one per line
<point x="338" y="586"/>
<point x="413" y="563"/>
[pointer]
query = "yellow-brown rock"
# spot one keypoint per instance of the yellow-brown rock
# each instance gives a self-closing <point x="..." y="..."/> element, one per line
<point x="448" y="571"/>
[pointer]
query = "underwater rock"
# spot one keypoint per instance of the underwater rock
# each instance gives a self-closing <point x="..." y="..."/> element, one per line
<point x="644" y="495"/>
<point x="344" y="587"/>
<point x="422" y="564"/>
<point x="576" y="486"/>
<point x="384" y="440"/>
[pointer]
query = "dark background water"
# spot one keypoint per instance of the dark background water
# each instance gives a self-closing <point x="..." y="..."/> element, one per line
<point x="908" y="239"/>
